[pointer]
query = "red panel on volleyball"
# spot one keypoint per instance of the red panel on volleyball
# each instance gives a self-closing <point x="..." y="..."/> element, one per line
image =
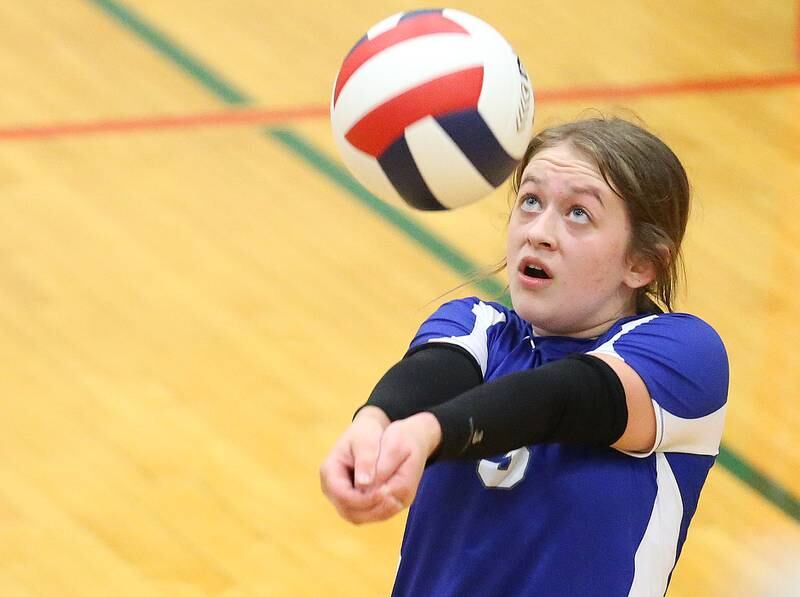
<point x="376" y="131"/>
<point x="407" y="29"/>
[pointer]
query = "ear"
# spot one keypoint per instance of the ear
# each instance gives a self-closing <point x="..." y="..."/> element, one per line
<point x="641" y="271"/>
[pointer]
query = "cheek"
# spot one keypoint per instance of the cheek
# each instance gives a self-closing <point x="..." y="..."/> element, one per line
<point x="514" y="239"/>
<point x="603" y="265"/>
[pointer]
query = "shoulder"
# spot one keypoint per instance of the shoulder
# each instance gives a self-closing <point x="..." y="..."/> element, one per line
<point x="471" y="311"/>
<point x="473" y="324"/>
<point x="680" y="357"/>
<point x="664" y="332"/>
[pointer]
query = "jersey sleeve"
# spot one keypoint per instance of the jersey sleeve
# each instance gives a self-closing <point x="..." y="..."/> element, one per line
<point x="469" y="323"/>
<point x="684" y="365"/>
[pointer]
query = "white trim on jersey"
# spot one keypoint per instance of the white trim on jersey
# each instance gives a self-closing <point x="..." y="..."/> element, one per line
<point x="476" y="342"/>
<point x="607" y="347"/>
<point x="659" y="412"/>
<point x="691" y="436"/>
<point x="655" y="556"/>
<point x="673" y="433"/>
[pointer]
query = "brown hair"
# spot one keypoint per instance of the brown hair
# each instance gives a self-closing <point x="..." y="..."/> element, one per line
<point x="650" y="180"/>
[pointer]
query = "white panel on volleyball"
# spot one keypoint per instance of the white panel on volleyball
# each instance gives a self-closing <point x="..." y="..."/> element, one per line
<point x="369" y="173"/>
<point x="388" y="74"/>
<point x="502" y="99"/>
<point x="384" y="25"/>
<point x="450" y="176"/>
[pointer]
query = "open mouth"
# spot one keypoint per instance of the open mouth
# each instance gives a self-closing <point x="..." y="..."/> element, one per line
<point x="533" y="271"/>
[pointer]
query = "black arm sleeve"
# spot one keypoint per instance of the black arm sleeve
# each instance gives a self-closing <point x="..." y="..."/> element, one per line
<point x="579" y="399"/>
<point x="427" y="376"/>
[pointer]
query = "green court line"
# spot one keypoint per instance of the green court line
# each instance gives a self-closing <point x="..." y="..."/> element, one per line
<point x="340" y="177"/>
<point x="167" y="48"/>
<point x="768" y="488"/>
<point x="728" y="459"/>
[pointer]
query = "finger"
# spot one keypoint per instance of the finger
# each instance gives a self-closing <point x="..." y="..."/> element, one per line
<point x="365" y="448"/>
<point x="385" y="509"/>
<point x="354" y="505"/>
<point x="338" y="465"/>
<point x="337" y="485"/>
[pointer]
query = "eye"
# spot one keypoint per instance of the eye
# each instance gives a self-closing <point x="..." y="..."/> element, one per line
<point x="530" y="203"/>
<point x="579" y="215"/>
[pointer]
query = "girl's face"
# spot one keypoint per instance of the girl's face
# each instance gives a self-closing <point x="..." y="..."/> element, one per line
<point x="569" y="272"/>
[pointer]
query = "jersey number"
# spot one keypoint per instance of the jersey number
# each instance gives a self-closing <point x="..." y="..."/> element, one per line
<point x="507" y="472"/>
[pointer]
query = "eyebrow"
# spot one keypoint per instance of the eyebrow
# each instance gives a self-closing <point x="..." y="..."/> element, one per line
<point x="578" y="190"/>
<point x="529" y="178"/>
<point x="593" y="191"/>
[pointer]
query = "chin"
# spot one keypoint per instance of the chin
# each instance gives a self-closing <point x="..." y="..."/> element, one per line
<point x="534" y="314"/>
<point x="546" y="320"/>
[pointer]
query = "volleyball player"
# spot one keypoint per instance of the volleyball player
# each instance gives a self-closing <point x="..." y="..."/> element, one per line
<point x="558" y="447"/>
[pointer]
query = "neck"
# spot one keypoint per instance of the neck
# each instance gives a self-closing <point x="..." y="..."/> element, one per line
<point x="590" y="329"/>
<point x="591" y="332"/>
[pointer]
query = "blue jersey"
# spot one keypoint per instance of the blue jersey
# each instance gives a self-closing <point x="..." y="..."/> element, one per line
<point x="554" y="519"/>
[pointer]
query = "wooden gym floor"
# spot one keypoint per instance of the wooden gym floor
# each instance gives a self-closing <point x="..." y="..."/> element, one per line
<point x="194" y="297"/>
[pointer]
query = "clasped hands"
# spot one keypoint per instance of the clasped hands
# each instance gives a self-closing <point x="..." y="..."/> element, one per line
<point x="375" y="467"/>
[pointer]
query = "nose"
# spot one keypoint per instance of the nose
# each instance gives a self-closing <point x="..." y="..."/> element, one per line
<point x="542" y="231"/>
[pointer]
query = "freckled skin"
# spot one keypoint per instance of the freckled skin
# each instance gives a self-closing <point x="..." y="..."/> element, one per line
<point x="582" y="238"/>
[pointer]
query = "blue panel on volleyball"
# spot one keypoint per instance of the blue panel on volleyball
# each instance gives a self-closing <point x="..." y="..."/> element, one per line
<point x="400" y="168"/>
<point x="423" y="11"/>
<point x="476" y="140"/>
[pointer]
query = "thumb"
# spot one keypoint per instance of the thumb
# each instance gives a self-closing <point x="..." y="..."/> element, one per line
<point x="394" y="451"/>
<point x="402" y="484"/>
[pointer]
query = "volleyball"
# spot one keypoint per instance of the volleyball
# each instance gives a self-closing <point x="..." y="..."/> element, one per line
<point x="432" y="107"/>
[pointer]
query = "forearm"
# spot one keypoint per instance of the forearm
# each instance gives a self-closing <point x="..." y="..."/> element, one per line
<point x="574" y="400"/>
<point x="427" y="377"/>
<point x="372" y="412"/>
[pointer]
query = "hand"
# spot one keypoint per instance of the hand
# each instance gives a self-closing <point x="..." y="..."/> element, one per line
<point x="347" y="475"/>
<point x="405" y="447"/>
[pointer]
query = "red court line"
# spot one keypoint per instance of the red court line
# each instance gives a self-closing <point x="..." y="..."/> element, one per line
<point x="272" y="116"/>
<point x="676" y="87"/>
<point x="219" y="118"/>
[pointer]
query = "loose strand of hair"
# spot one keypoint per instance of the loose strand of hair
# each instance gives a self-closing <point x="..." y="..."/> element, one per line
<point x="475" y="277"/>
